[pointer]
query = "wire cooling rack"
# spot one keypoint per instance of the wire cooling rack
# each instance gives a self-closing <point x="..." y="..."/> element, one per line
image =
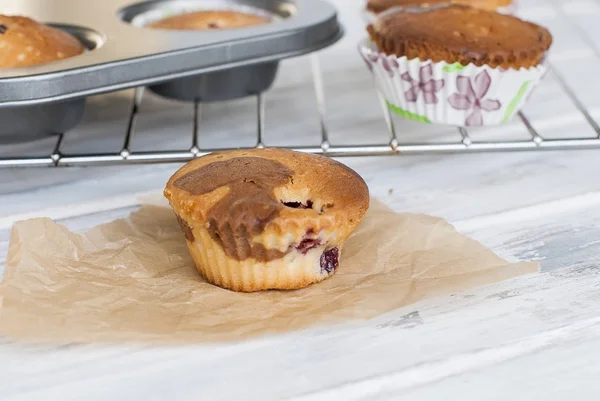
<point x="395" y="145"/>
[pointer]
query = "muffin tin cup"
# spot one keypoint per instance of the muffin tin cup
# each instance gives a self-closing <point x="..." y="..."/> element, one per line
<point x="442" y="93"/>
<point x="228" y="84"/>
<point x="218" y="64"/>
<point x="29" y="123"/>
<point x="223" y="85"/>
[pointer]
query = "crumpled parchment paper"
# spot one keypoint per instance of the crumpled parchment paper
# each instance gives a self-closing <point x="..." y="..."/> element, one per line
<point x="133" y="280"/>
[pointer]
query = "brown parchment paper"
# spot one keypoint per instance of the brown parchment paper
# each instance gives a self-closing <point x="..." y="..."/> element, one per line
<point x="133" y="280"/>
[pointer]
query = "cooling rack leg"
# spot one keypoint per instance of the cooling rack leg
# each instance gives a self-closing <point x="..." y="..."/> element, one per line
<point x="260" y="118"/>
<point x="582" y="109"/>
<point x="198" y="108"/>
<point x="56" y="155"/>
<point x="389" y="122"/>
<point x="137" y="101"/>
<point x="466" y="139"/>
<point x="320" y="97"/>
<point x="592" y="43"/>
<point x="535" y="137"/>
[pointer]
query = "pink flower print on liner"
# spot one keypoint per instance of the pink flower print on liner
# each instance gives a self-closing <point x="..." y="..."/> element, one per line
<point x="370" y="58"/>
<point x="471" y="96"/>
<point x="425" y="84"/>
<point x="389" y="65"/>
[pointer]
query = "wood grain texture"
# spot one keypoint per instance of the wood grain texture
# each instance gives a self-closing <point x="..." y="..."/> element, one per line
<point x="534" y="337"/>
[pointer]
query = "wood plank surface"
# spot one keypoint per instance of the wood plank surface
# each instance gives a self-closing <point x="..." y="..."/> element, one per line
<point x="531" y="338"/>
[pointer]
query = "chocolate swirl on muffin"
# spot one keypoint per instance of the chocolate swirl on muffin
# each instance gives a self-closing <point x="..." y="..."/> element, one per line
<point x="266" y="218"/>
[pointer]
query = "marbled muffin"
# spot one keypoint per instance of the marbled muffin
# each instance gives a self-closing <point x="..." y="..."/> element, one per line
<point x="379" y="6"/>
<point x="25" y="42"/>
<point x="266" y="218"/>
<point x="204" y="20"/>
<point x="456" y="33"/>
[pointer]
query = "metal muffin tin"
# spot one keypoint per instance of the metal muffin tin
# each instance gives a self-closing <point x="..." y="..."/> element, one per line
<point x="219" y="85"/>
<point x="122" y="56"/>
<point x="39" y="120"/>
<point x="215" y="86"/>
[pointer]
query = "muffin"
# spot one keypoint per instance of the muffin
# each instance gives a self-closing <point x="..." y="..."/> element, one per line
<point x="454" y="64"/>
<point x="204" y="20"/>
<point x="266" y="218"/>
<point x="25" y="42"/>
<point x="379" y="6"/>
<point x="461" y="34"/>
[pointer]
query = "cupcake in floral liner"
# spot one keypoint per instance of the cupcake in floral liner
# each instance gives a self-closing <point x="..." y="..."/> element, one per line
<point x="455" y="64"/>
<point x="266" y="218"/>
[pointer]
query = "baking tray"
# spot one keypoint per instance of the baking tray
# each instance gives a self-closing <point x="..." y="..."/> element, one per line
<point x="122" y="55"/>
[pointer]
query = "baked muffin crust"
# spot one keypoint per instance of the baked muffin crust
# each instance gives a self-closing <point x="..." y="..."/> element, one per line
<point x="378" y="6"/>
<point x="456" y="33"/>
<point x="25" y="42"/>
<point x="204" y="20"/>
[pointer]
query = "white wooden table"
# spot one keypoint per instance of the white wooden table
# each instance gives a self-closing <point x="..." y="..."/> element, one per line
<point x="531" y="338"/>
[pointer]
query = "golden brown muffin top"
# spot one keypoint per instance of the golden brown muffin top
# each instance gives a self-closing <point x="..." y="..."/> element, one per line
<point x="204" y="20"/>
<point x="456" y="33"/>
<point x="25" y="42"/>
<point x="378" y="6"/>
<point x="242" y="192"/>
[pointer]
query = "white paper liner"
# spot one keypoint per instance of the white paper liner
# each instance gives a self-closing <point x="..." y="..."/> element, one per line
<point x="173" y="8"/>
<point x="451" y="94"/>
<point x="369" y="17"/>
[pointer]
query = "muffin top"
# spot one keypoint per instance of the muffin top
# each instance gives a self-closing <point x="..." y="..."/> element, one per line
<point x="204" y="20"/>
<point x="25" y="42"/>
<point x="378" y="6"/>
<point x="246" y="192"/>
<point x="457" y="33"/>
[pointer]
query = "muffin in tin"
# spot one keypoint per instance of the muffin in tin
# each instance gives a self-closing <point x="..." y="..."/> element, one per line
<point x="205" y="20"/>
<point x="25" y="42"/>
<point x="224" y="84"/>
<point x="266" y="218"/>
<point x="455" y="64"/>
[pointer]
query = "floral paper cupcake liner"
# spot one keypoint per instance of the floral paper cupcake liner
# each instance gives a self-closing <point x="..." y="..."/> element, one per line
<point x="453" y="94"/>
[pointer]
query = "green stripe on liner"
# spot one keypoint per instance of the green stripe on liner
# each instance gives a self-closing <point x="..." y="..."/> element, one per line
<point x="407" y="114"/>
<point x="512" y="106"/>
<point x="453" y="67"/>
